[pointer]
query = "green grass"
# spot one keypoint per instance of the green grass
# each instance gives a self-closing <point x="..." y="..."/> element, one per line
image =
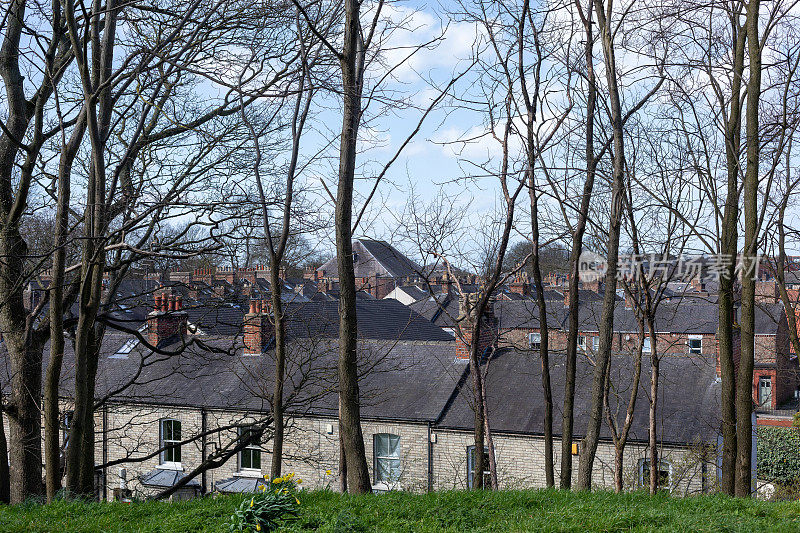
<point x="529" y="510"/>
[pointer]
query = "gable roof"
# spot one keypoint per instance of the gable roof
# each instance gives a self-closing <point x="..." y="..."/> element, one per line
<point x="375" y="258"/>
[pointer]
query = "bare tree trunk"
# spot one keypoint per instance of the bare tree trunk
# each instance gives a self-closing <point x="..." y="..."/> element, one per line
<point x="350" y="410"/>
<point x="620" y="435"/>
<point x="23" y="410"/>
<point x="52" y="428"/>
<point x="280" y="371"/>
<point x="653" y="435"/>
<point x="544" y="345"/>
<point x="489" y="439"/>
<point x="568" y="411"/>
<point x="728" y="249"/>
<point x="531" y="103"/>
<point x="80" y="456"/>
<point x="589" y="448"/>
<point x="744" y="380"/>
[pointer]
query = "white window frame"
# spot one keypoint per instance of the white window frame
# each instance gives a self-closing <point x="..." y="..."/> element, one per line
<point x="252" y="449"/>
<point x="661" y="468"/>
<point x="695" y="338"/>
<point x="647" y="345"/>
<point x="595" y="344"/>
<point x="383" y="454"/>
<point x="471" y="466"/>
<point x="768" y="380"/>
<point x="534" y="340"/>
<point x="582" y="343"/>
<point x="167" y="455"/>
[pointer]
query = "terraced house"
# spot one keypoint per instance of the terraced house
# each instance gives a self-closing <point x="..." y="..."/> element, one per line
<point x="195" y="412"/>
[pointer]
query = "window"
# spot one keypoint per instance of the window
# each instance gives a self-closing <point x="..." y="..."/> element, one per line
<point x="386" y="450"/>
<point x="595" y="344"/>
<point x="66" y="426"/>
<point x="646" y="347"/>
<point x="249" y="457"/>
<point x="125" y="349"/>
<point x="581" y="343"/>
<point x="170" y="442"/>
<point x="695" y="344"/>
<point x="450" y="331"/>
<point x="664" y="474"/>
<point x="765" y="391"/>
<point x="487" y="477"/>
<point x="535" y="340"/>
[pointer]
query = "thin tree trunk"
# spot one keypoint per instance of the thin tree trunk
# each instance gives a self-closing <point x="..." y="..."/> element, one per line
<point x="568" y="411"/>
<point x="728" y="249"/>
<point x="589" y="448"/>
<point x="489" y="440"/>
<point x="280" y="371"/>
<point x="531" y="103"/>
<point x="52" y="427"/>
<point x="350" y="410"/>
<point x="544" y="345"/>
<point x="744" y="380"/>
<point x="653" y="436"/>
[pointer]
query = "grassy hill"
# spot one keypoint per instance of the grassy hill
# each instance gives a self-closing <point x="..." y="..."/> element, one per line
<point x="446" y="511"/>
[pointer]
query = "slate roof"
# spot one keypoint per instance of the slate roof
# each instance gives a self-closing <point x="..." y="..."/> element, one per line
<point x="441" y="310"/>
<point x="377" y="319"/>
<point x="688" y="406"/>
<point x="239" y="484"/>
<point x="163" y="478"/>
<point x="375" y="257"/>
<point x="414" y="292"/>
<point x="525" y="314"/>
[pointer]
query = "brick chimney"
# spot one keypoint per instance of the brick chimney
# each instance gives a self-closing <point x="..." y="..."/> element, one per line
<point x="167" y="321"/>
<point x="489" y="325"/>
<point x="519" y="284"/>
<point x="258" y="331"/>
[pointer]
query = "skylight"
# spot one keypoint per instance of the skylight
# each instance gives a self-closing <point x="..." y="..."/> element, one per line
<point x="126" y="348"/>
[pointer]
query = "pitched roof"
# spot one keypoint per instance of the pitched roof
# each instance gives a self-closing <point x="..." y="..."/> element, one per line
<point x="373" y="257"/>
<point x="688" y="396"/>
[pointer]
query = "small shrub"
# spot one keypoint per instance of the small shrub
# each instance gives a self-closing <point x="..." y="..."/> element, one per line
<point x="778" y="454"/>
<point x="263" y="512"/>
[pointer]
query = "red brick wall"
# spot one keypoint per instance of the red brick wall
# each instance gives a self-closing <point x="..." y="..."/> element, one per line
<point x="464" y="338"/>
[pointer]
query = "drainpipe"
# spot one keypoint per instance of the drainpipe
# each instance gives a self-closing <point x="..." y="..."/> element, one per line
<point x="430" y="460"/>
<point x="105" y="452"/>
<point x="203" y="427"/>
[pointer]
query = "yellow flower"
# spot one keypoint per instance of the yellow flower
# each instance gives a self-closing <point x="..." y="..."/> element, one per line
<point x="299" y="481"/>
<point x="297" y="500"/>
<point x="258" y="527"/>
<point x="251" y="502"/>
<point x="277" y="480"/>
<point x="327" y="472"/>
<point x="277" y="491"/>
